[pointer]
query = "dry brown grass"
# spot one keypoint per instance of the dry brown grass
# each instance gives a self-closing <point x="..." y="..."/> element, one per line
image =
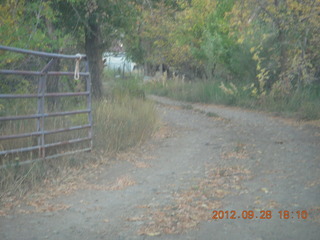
<point x="40" y="199"/>
<point x="123" y="123"/>
<point x="118" y="125"/>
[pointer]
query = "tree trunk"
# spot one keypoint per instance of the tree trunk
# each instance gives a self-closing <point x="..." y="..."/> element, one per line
<point x="94" y="55"/>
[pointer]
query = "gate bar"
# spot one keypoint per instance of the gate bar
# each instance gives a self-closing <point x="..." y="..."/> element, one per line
<point x="42" y="54"/>
<point x="35" y="73"/>
<point x="44" y="115"/>
<point x="32" y="134"/>
<point x="68" y="94"/>
<point x="44" y="146"/>
<point x="46" y="158"/>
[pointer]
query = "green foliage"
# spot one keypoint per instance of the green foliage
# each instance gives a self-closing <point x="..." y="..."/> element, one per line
<point x="120" y="122"/>
<point x="192" y="92"/>
<point x="217" y="45"/>
<point x="303" y="103"/>
<point x="212" y="114"/>
<point x="263" y="42"/>
<point x="282" y="37"/>
<point x="118" y="86"/>
<point x="128" y="87"/>
<point x="265" y="53"/>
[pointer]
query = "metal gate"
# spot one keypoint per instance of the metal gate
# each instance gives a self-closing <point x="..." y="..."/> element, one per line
<point x="39" y="148"/>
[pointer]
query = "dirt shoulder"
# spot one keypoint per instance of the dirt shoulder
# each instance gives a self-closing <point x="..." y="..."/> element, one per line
<point x="204" y="158"/>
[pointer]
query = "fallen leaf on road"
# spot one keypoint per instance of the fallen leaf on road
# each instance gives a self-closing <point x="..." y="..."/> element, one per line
<point x="135" y="219"/>
<point x="122" y="183"/>
<point x="151" y="234"/>
<point x="272" y="204"/>
<point x="141" y="164"/>
<point x="195" y="204"/>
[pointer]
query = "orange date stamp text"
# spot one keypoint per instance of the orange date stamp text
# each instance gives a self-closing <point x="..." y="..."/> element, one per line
<point x="263" y="214"/>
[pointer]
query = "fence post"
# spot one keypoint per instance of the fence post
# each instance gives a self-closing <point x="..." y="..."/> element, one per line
<point x="41" y="110"/>
<point x="89" y="103"/>
<point x="42" y="88"/>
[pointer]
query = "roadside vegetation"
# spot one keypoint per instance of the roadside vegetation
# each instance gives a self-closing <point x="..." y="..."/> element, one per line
<point x="123" y="119"/>
<point x="258" y="54"/>
<point x="303" y="104"/>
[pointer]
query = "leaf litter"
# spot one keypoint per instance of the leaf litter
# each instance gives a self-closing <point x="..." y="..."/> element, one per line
<point x="195" y="204"/>
<point x="39" y="199"/>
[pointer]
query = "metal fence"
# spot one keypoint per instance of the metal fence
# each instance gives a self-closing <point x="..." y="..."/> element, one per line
<point x="39" y="148"/>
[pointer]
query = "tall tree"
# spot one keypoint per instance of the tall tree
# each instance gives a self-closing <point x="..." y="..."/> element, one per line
<point x="100" y="22"/>
<point x="30" y="25"/>
<point x="283" y="36"/>
<point x="88" y="26"/>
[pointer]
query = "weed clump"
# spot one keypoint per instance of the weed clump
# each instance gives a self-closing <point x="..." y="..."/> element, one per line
<point x="122" y="123"/>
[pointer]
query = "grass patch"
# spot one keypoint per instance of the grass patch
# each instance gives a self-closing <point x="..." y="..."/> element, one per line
<point x="302" y="104"/>
<point x="206" y="92"/>
<point x="124" y="118"/>
<point x="122" y="122"/>
<point x="212" y="114"/>
<point x="187" y="106"/>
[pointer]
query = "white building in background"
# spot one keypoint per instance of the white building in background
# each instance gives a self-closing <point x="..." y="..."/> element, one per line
<point x="118" y="62"/>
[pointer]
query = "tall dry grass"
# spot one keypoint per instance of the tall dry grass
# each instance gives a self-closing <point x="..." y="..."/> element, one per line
<point x="121" y="120"/>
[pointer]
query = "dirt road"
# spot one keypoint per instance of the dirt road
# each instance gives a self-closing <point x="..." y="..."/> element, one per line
<point x="261" y="174"/>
